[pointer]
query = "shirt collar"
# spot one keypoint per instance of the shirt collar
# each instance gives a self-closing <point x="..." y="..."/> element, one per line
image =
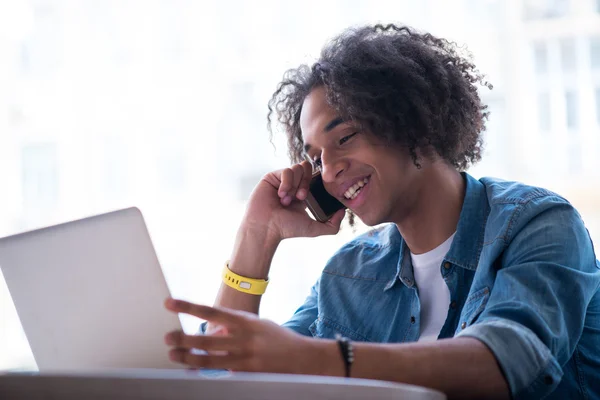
<point x="468" y="240"/>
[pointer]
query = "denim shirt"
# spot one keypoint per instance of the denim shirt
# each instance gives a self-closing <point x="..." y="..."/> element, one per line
<point x="523" y="279"/>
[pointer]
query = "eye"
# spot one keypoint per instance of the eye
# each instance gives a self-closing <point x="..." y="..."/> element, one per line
<point x="346" y="138"/>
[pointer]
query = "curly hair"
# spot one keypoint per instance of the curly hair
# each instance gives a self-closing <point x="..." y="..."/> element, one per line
<point x="410" y="89"/>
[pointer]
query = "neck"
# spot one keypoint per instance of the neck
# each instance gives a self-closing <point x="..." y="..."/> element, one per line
<point x="435" y="213"/>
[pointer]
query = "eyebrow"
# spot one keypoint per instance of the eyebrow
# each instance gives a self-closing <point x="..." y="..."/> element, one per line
<point x="328" y="128"/>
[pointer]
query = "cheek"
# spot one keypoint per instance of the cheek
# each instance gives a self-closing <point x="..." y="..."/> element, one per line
<point x="395" y="180"/>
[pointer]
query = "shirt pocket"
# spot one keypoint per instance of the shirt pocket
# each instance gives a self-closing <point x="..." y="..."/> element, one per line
<point x="474" y="305"/>
<point x="326" y="328"/>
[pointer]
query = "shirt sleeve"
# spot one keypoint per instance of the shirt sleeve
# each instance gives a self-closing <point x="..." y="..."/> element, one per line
<point x="306" y="314"/>
<point x="535" y="314"/>
<point x="202" y="328"/>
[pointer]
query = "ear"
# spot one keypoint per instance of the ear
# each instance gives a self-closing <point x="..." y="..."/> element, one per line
<point x="427" y="156"/>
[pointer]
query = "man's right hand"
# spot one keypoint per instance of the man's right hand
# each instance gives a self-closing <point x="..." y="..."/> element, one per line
<point x="276" y="211"/>
<point x="276" y="205"/>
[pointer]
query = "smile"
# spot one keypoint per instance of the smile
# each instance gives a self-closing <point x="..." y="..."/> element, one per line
<point x="354" y="191"/>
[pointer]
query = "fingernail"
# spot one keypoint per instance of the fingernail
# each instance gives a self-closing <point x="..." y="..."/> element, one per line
<point x="282" y="194"/>
<point x="301" y="194"/>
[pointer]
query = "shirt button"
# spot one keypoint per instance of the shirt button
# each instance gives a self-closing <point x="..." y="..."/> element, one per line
<point x="463" y="325"/>
<point x="412" y="319"/>
<point x="453" y="305"/>
<point x="447" y="265"/>
<point x="548" y="380"/>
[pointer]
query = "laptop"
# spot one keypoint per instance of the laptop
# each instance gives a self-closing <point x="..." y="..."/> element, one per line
<point x="90" y="294"/>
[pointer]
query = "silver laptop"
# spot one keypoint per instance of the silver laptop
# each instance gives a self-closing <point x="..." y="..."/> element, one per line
<point x="90" y="293"/>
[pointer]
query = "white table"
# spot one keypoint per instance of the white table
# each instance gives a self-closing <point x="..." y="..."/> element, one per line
<point x="132" y="384"/>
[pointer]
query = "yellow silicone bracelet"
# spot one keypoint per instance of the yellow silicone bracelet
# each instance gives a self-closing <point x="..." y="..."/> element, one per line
<point x="243" y="284"/>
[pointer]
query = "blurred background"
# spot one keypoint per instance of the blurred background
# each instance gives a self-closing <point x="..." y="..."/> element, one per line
<point x="161" y="104"/>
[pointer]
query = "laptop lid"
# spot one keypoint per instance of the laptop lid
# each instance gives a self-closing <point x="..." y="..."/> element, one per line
<point x="90" y="293"/>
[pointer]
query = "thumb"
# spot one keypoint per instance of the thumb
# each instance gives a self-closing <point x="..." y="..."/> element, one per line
<point x="336" y="221"/>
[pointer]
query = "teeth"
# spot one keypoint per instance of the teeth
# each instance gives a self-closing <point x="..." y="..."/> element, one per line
<point x="352" y="192"/>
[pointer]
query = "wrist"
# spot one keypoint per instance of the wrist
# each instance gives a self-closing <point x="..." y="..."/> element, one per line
<point x="262" y="238"/>
<point x="325" y="358"/>
<point x="253" y="251"/>
<point x="259" y="232"/>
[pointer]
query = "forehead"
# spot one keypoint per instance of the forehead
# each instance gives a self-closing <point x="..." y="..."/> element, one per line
<point x="316" y="114"/>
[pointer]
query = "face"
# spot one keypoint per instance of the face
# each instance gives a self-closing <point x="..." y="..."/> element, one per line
<point x="378" y="182"/>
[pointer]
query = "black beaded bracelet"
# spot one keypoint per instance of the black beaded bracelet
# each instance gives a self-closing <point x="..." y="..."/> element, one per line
<point x="347" y="352"/>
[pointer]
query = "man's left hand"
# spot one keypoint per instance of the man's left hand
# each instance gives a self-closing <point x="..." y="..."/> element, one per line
<point x="246" y="343"/>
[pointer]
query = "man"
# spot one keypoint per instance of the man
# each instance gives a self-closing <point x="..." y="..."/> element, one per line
<point x="478" y="288"/>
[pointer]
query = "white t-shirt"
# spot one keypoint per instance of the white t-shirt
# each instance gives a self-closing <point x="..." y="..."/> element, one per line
<point x="434" y="295"/>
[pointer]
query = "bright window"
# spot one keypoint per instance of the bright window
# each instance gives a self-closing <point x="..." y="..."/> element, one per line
<point x="162" y="105"/>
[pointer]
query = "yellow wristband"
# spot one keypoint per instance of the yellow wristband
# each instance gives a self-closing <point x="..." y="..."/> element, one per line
<point x="243" y="284"/>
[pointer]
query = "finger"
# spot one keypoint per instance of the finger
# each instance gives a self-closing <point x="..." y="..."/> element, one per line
<point x="336" y="219"/>
<point x="180" y="340"/>
<point x="218" y="316"/>
<point x="287" y="180"/>
<point x="332" y="226"/>
<point x="298" y="171"/>
<point x="227" y="361"/>
<point x="305" y="181"/>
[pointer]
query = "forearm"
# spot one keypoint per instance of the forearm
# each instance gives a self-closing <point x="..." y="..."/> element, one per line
<point x="461" y="367"/>
<point x="251" y="257"/>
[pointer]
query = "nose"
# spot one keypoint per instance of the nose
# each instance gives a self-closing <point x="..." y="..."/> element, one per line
<point x="331" y="166"/>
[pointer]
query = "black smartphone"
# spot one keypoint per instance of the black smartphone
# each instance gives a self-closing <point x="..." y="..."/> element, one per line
<point x="320" y="203"/>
